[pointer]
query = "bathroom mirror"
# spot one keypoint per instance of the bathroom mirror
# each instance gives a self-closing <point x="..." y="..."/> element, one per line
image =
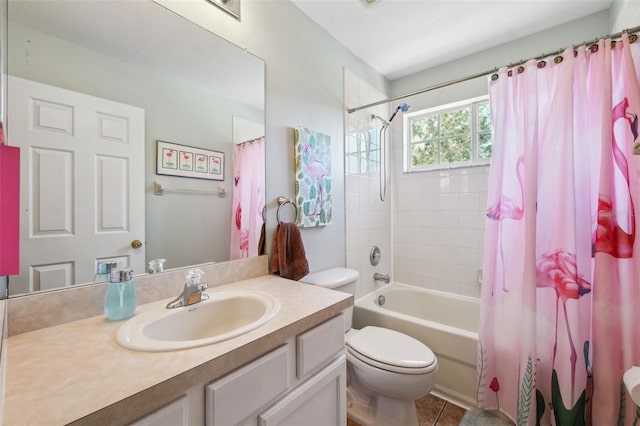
<point x="192" y="89"/>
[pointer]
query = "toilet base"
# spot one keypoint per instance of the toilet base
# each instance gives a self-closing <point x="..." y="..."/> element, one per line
<point x="380" y="410"/>
<point x="360" y="413"/>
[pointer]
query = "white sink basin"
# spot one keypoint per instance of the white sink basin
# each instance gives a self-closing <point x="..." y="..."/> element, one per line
<point x="224" y="316"/>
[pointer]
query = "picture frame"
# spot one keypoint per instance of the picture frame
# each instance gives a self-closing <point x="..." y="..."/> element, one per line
<point x="232" y="7"/>
<point x="174" y="159"/>
<point x="313" y="177"/>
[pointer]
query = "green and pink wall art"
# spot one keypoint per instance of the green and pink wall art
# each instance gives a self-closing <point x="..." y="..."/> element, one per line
<point x="313" y="177"/>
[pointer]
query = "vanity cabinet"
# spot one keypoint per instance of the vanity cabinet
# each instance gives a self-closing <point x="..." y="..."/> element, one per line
<point x="321" y="400"/>
<point x="175" y="413"/>
<point x="300" y="382"/>
<point x="293" y="367"/>
<point x="230" y="400"/>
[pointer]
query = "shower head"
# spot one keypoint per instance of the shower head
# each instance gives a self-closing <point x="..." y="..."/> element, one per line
<point x="377" y="117"/>
<point x="402" y="107"/>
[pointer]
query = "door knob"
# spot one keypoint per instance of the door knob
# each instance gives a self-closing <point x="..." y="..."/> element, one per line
<point x="136" y="243"/>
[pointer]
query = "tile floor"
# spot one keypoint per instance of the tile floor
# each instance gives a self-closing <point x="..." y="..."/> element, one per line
<point x="434" y="411"/>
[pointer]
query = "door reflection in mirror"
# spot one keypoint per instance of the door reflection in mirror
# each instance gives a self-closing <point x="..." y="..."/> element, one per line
<point x="191" y="86"/>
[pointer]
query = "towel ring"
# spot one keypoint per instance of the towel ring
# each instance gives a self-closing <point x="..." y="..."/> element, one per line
<point x="281" y="202"/>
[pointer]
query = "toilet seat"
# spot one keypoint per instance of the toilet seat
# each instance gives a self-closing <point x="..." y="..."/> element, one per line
<point x="392" y="351"/>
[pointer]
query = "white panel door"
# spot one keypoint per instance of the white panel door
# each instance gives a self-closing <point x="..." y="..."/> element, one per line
<point x="82" y="184"/>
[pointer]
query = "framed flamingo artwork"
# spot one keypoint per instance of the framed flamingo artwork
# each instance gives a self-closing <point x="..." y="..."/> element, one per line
<point x="188" y="161"/>
<point x="313" y="177"/>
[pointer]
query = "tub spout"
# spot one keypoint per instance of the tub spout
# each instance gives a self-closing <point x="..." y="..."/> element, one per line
<point x="380" y="277"/>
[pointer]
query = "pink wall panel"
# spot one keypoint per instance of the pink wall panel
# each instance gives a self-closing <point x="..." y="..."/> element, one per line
<point x="9" y="210"/>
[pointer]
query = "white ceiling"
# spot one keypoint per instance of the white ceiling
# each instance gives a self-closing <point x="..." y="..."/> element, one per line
<point x="401" y="37"/>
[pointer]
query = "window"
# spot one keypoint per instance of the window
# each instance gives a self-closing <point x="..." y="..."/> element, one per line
<point x="363" y="152"/>
<point x="453" y="135"/>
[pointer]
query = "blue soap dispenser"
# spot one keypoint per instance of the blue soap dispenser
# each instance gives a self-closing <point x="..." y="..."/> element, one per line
<point x="120" y="299"/>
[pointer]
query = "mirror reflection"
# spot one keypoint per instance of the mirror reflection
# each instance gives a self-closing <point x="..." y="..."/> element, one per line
<point x="91" y="89"/>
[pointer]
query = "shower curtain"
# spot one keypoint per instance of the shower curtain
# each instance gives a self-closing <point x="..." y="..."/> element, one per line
<point x="561" y="295"/>
<point x="247" y="220"/>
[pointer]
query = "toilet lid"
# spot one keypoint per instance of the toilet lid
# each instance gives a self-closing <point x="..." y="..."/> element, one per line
<point x="391" y="347"/>
<point x="331" y="278"/>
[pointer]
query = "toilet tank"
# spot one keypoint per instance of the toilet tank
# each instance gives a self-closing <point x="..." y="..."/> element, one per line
<point x="340" y="279"/>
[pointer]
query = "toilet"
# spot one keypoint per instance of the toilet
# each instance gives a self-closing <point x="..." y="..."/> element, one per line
<point x="387" y="371"/>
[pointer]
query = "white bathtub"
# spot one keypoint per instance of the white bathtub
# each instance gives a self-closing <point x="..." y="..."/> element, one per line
<point x="445" y="322"/>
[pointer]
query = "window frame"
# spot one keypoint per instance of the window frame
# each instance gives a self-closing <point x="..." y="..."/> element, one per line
<point x="365" y="151"/>
<point x="475" y="161"/>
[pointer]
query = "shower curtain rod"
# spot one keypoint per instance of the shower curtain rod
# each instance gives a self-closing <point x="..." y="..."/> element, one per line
<point x="493" y="70"/>
<point x="250" y="141"/>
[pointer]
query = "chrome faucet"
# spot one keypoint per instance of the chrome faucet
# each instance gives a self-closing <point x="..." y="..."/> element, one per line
<point x="192" y="292"/>
<point x="380" y="277"/>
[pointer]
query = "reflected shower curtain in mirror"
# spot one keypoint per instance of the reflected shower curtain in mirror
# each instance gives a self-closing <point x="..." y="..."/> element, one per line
<point x="247" y="230"/>
<point x="561" y="291"/>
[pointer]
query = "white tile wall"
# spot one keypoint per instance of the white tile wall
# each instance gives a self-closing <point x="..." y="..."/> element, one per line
<point x="430" y="228"/>
<point x="439" y="228"/>
<point x="368" y="220"/>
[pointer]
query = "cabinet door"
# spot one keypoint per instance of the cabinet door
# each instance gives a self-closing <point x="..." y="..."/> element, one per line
<point x="321" y="400"/>
<point x="234" y="398"/>
<point x="318" y="346"/>
<point x="175" y="413"/>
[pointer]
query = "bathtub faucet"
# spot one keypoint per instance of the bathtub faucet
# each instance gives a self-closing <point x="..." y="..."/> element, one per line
<point x="380" y="277"/>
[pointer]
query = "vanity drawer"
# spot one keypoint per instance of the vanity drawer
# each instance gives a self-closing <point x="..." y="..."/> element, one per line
<point x="316" y="347"/>
<point x="233" y="397"/>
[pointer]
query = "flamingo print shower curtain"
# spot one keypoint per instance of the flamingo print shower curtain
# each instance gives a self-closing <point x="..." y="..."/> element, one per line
<point x="247" y="220"/>
<point x="561" y="295"/>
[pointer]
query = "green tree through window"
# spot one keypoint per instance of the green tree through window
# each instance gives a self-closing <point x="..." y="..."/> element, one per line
<point x="457" y="134"/>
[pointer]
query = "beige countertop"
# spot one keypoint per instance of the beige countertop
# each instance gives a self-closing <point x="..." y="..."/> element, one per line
<point x="76" y="372"/>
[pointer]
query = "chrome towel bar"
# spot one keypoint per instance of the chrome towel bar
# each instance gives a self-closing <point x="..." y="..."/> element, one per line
<point x="281" y="202"/>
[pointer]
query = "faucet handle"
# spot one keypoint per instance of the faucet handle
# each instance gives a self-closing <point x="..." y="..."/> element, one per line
<point x="193" y="277"/>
